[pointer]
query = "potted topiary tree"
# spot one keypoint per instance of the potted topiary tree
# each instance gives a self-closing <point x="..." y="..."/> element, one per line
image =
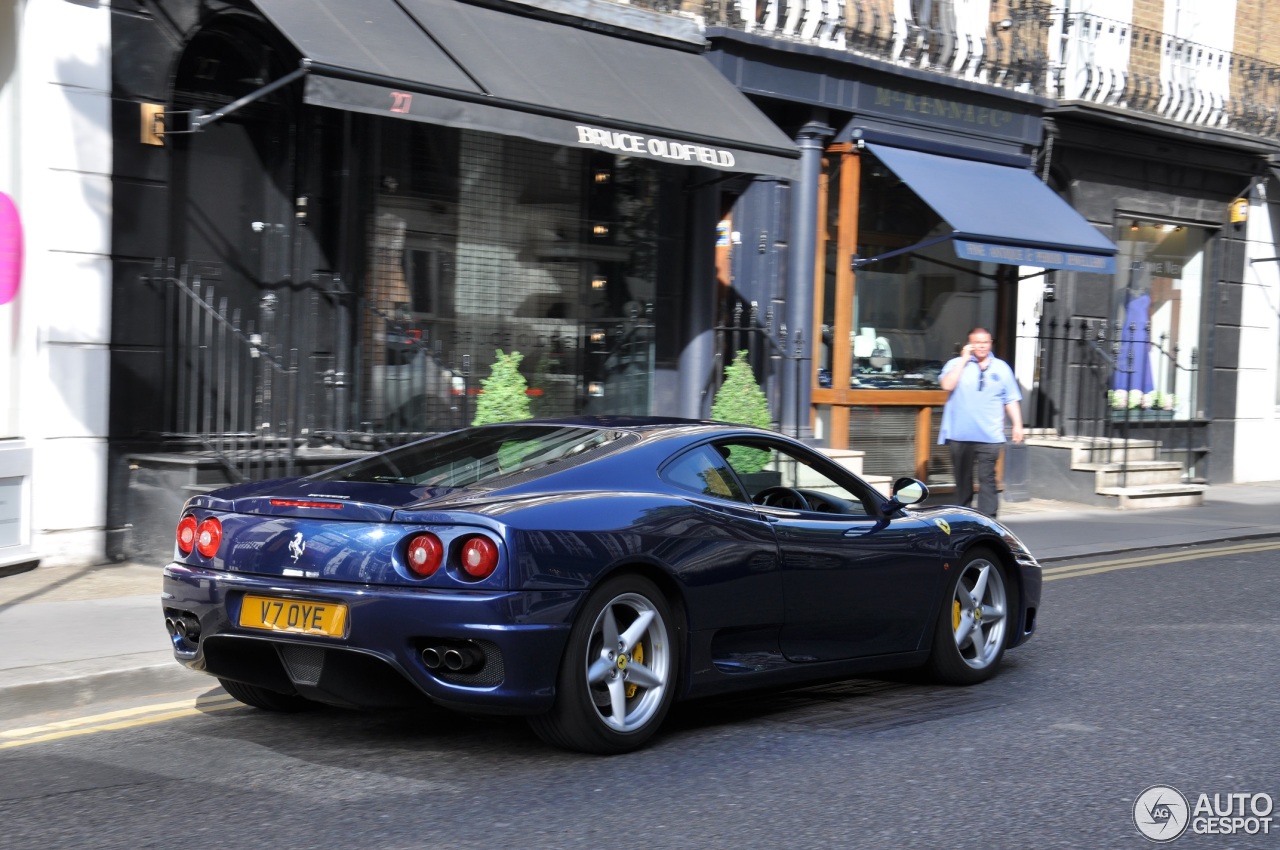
<point x="504" y="394"/>
<point x="740" y="400"/>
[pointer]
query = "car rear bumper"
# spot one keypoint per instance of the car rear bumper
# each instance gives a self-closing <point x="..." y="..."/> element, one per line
<point x="510" y="642"/>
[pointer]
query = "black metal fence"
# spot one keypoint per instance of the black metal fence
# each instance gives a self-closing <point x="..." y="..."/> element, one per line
<point x="231" y="389"/>
<point x="259" y="393"/>
<point x="238" y="390"/>
<point x="1110" y="386"/>
<point x="777" y="358"/>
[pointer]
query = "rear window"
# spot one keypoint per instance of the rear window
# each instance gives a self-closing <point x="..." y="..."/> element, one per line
<point x="704" y="471"/>
<point x="478" y="456"/>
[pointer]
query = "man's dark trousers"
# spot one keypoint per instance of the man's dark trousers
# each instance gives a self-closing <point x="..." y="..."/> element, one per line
<point x="964" y="456"/>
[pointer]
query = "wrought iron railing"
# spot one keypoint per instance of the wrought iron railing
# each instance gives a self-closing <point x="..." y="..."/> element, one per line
<point x="1028" y="46"/>
<point x="1145" y="70"/>
<point x="1006" y="50"/>
<point x="262" y="397"/>
<point x="1108" y="387"/>
<point x="231" y="391"/>
<point x="776" y="356"/>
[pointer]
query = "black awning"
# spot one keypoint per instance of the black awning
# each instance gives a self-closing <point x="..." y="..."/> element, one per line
<point x="1000" y="214"/>
<point x="451" y="63"/>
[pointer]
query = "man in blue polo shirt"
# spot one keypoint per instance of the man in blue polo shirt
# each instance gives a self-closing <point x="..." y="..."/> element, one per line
<point x="983" y="390"/>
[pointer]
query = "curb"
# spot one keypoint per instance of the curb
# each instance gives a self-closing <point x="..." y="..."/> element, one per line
<point x="24" y="700"/>
<point x="18" y="567"/>
<point x="1182" y="544"/>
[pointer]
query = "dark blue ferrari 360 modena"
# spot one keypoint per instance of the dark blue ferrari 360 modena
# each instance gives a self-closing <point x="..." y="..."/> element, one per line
<point x="585" y="573"/>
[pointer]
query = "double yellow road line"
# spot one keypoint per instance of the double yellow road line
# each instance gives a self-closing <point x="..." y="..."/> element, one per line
<point x="127" y="718"/>
<point x="130" y="718"/>
<point x="1156" y="559"/>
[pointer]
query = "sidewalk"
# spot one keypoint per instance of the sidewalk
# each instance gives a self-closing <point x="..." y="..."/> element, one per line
<point x="73" y="636"/>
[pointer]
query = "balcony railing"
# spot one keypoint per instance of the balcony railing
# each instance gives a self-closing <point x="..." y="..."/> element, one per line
<point x="962" y="39"/>
<point x="1113" y="62"/>
<point x="1024" y="45"/>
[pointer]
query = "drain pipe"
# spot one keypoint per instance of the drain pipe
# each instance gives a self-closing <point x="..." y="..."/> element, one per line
<point x="802" y="263"/>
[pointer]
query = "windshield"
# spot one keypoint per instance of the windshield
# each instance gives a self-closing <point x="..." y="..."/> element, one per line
<point x="476" y="456"/>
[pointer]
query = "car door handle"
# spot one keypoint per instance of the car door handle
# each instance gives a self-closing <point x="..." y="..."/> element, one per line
<point x="864" y="530"/>
<point x="776" y="514"/>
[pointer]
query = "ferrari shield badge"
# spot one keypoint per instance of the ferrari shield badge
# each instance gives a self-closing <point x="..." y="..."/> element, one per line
<point x="944" y="525"/>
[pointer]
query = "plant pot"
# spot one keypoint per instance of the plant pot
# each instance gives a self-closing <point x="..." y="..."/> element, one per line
<point x="1144" y="415"/>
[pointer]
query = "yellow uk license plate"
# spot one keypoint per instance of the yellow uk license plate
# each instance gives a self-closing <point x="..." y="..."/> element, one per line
<point x="294" y="615"/>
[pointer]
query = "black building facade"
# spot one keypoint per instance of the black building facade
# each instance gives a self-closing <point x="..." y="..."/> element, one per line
<point x="356" y="205"/>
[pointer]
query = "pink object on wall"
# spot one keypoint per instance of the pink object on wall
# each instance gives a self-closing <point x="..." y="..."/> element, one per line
<point x="10" y="249"/>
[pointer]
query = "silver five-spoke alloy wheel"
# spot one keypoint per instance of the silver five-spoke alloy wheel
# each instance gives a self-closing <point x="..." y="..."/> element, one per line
<point x="979" y="613"/>
<point x="628" y="663"/>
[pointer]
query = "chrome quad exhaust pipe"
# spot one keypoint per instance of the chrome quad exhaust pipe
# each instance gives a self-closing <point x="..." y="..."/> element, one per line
<point x="453" y="658"/>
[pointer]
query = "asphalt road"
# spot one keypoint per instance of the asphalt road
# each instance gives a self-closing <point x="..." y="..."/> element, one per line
<point x="1145" y="671"/>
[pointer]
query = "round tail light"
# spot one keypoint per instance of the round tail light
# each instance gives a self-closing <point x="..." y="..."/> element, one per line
<point x="479" y="557"/>
<point x="209" y="537"/>
<point x="186" y="534"/>
<point x="424" y="554"/>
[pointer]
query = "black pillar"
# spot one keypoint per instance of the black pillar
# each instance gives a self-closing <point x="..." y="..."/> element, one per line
<point x="798" y="356"/>
<point x="697" y="357"/>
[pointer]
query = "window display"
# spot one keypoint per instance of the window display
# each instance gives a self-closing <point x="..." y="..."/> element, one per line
<point x="1156" y="313"/>
<point x="910" y="312"/>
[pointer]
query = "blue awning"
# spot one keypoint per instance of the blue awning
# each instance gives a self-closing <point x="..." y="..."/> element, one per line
<point x="1000" y="214"/>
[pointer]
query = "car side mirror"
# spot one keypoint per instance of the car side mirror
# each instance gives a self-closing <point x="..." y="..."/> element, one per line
<point x="906" y="491"/>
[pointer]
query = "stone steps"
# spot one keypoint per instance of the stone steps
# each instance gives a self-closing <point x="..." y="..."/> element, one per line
<point x="1157" y="496"/>
<point x="1148" y="482"/>
<point x="851" y="459"/>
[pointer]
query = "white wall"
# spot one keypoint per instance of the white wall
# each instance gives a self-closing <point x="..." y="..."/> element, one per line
<point x="15" y="454"/>
<point x="1257" y="412"/>
<point x="64" y="165"/>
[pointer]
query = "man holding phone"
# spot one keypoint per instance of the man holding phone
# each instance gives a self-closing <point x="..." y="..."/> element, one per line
<point x="983" y="391"/>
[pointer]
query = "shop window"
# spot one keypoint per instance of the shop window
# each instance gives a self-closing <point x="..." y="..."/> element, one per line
<point x="888" y="329"/>
<point x="479" y="243"/>
<point x="912" y="312"/>
<point x="1157" y="308"/>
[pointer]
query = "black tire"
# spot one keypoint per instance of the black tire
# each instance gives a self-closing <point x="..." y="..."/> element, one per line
<point x="611" y="701"/>
<point x="265" y="699"/>
<point x="970" y="638"/>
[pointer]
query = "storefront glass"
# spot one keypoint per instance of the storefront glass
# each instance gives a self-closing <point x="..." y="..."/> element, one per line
<point x="480" y="243"/>
<point x="889" y="327"/>
<point x="1157" y="319"/>
<point x="911" y="312"/>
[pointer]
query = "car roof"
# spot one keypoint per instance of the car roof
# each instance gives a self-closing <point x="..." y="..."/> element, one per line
<point x="642" y="424"/>
<point x="652" y="429"/>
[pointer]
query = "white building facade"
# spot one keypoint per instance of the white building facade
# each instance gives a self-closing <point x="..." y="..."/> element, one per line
<point x="55" y="164"/>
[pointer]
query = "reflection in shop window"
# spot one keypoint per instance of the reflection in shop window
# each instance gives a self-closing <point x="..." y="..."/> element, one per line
<point x="479" y="243"/>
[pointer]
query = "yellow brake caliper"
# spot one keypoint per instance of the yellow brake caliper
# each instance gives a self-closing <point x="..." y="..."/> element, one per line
<point x="955" y="615"/>
<point x="637" y="657"/>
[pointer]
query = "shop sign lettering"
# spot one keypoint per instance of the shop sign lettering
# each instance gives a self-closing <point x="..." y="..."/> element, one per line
<point x="625" y="144"/>
<point x="1028" y="256"/>
<point x="941" y="107"/>
<point x="1166" y="268"/>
